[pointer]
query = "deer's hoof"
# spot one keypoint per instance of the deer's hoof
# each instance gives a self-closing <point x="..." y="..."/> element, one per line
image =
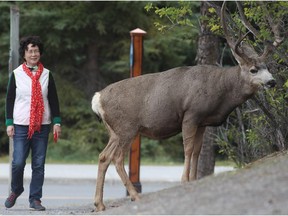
<point x="99" y="207"/>
<point x="135" y="198"/>
<point x="184" y="179"/>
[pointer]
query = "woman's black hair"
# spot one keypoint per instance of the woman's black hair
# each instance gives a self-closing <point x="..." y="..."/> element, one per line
<point x="25" y="41"/>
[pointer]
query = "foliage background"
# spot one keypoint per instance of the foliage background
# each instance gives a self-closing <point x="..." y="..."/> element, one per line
<point x="87" y="47"/>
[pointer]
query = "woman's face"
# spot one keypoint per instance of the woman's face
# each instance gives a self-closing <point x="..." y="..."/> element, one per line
<point x="32" y="55"/>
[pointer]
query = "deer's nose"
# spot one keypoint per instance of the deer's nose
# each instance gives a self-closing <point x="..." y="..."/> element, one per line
<point x="271" y="83"/>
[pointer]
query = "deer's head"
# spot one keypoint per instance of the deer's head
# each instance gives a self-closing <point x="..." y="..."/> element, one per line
<point x="253" y="66"/>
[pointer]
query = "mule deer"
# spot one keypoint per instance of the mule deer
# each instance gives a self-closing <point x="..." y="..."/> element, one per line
<point x="183" y="99"/>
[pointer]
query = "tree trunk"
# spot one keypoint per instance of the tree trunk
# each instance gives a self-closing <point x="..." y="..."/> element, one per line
<point x="208" y="53"/>
<point x="91" y="73"/>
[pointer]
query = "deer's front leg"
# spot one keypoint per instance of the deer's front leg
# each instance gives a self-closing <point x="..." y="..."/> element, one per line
<point x="196" y="152"/>
<point x="188" y="133"/>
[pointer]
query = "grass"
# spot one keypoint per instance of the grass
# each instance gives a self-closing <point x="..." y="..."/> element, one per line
<point x="144" y="161"/>
<point x="4" y="159"/>
<point x="225" y="163"/>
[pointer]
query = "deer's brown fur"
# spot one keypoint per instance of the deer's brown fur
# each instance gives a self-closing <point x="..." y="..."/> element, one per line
<point x="160" y="105"/>
<point x="181" y="99"/>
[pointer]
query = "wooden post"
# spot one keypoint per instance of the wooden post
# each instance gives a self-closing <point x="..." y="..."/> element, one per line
<point x="136" y="53"/>
<point x="13" y="63"/>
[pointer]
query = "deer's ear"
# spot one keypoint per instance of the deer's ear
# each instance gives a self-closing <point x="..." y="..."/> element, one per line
<point x="241" y="61"/>
<point x="244" y="54"/>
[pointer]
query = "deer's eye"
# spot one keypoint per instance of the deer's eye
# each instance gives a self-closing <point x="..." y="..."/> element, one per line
<point x="253" y="70"/>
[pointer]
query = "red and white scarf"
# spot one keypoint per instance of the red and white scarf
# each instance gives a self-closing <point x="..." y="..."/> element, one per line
<point x="37" y="104"/>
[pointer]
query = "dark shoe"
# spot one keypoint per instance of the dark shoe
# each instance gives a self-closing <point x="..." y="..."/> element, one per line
<point x="36" y="205"/>
<point x="10" y="201"/>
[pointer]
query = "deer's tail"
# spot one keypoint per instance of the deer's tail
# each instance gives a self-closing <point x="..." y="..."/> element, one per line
<point x="96" y="106"/>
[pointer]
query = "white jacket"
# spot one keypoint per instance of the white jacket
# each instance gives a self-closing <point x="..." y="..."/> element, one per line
<point x="21" y="113"/>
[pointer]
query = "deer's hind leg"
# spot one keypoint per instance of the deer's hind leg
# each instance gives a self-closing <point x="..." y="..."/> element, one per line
<point x="104" y="161"/>
<point x="119" y="164"/>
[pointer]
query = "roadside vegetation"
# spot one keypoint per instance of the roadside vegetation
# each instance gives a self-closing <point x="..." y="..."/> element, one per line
<point x="87" y="48"/>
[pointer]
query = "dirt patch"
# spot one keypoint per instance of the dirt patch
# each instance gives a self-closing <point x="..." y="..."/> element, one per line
<point x="259" y="188"/>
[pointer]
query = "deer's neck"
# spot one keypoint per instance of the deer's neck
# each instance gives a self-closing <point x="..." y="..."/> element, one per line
<point x="235" y="91"/>
<point x="237" y="86"/>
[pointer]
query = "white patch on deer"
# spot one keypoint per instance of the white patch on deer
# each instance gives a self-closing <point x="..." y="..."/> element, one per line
<point x="262" y="77"/>
<point x="96" y="105"/>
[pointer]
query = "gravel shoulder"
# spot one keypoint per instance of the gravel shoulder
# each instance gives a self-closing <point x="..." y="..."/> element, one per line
<point x="259" y="188"/>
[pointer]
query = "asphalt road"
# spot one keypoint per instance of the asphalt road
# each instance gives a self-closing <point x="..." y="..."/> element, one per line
<point x="74" y="185"/>
<point x="65" y="192"/>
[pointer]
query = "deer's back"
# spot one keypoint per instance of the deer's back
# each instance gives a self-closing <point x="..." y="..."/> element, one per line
<point x="156" y="103"/>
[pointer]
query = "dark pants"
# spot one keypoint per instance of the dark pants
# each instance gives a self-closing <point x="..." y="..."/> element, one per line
<point x="38" y="145"/>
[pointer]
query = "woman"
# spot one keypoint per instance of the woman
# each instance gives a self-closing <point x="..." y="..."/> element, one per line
<point x="31" y="106"/>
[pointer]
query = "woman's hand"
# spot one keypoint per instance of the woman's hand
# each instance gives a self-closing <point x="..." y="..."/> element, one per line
<point x="56" y="131"/>
<point x="10" y="131"/>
